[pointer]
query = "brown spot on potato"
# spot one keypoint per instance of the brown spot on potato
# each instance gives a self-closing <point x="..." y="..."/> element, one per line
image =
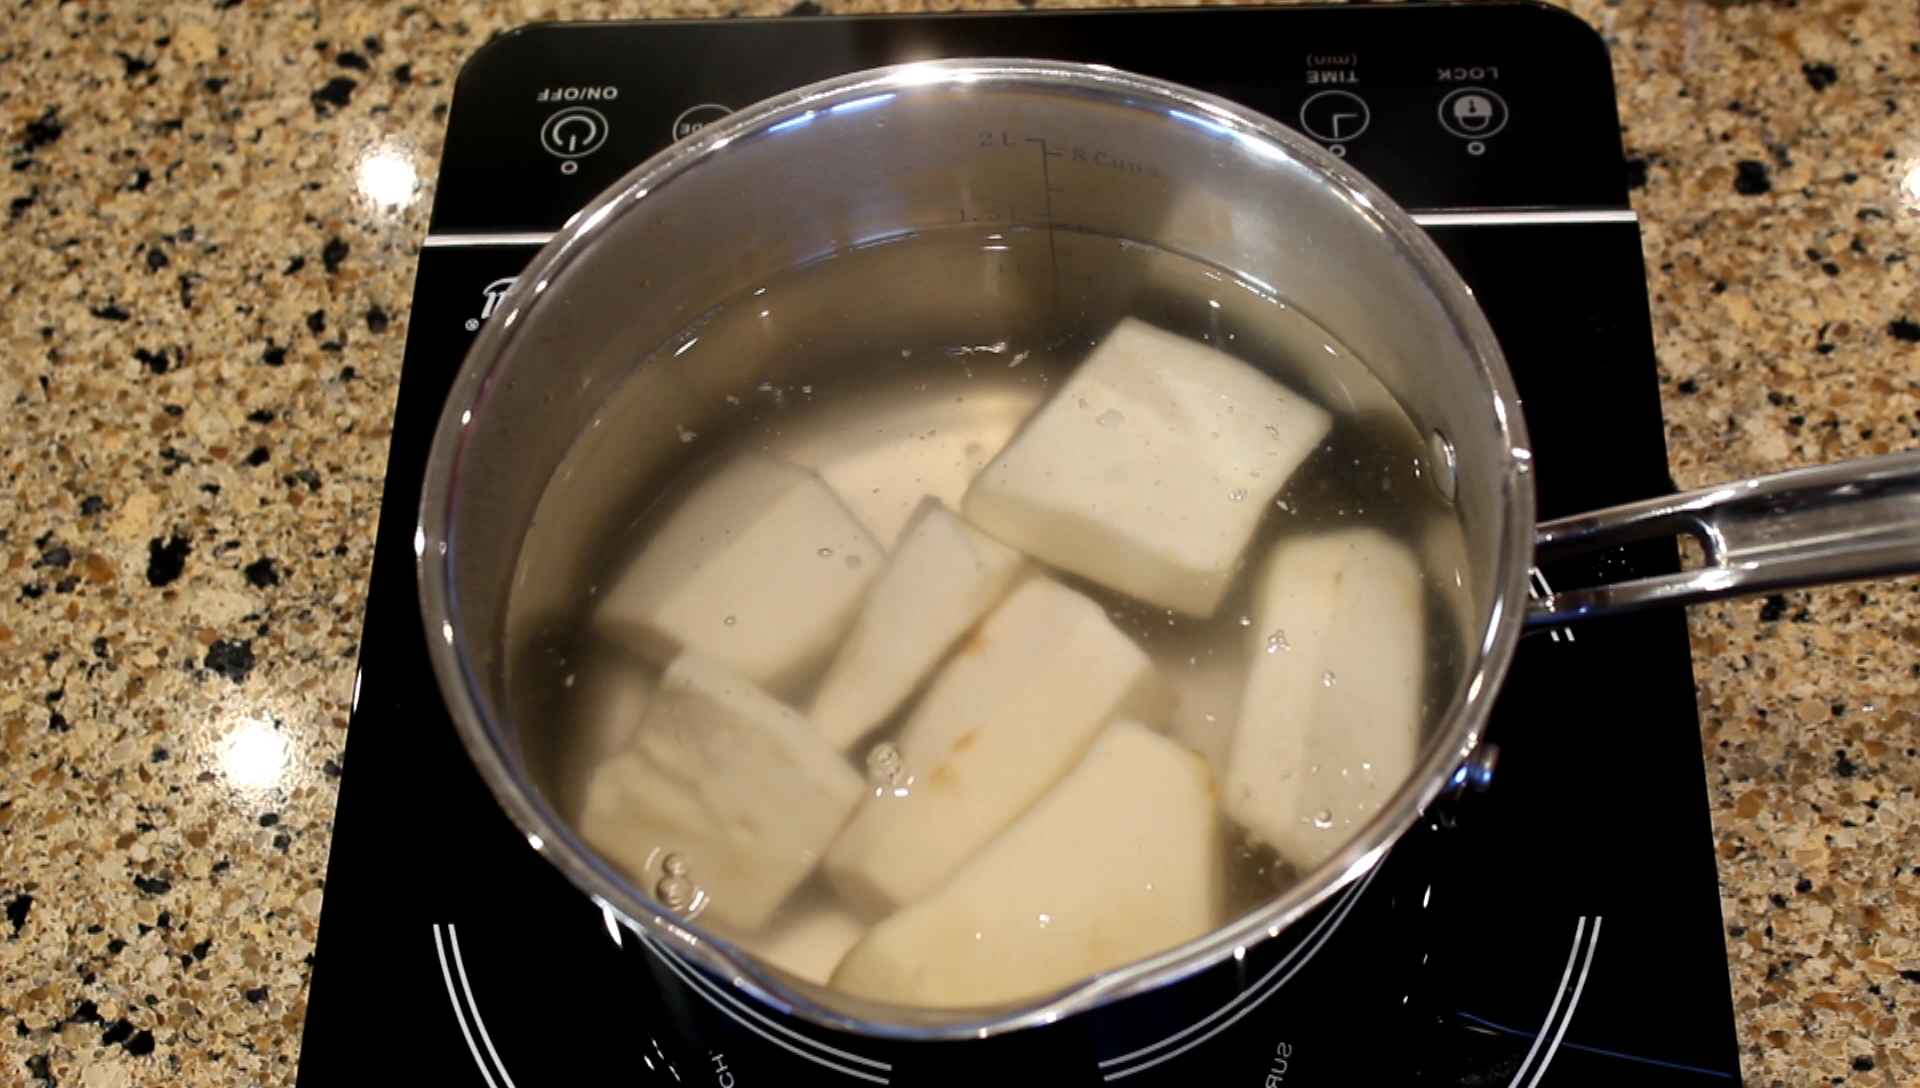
<point x="976" y="643"/>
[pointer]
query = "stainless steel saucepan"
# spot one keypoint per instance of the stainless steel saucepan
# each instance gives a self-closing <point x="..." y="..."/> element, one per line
<point x="886" y="153"/>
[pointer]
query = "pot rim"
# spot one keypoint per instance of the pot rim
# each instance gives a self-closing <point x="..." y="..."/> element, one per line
<point x="1455" y="739"/>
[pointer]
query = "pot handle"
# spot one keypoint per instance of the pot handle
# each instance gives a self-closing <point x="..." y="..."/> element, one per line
<point x="1844" y="522"/>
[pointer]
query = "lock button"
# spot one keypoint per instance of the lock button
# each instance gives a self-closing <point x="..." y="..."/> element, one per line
<point x="1473" y="113"/>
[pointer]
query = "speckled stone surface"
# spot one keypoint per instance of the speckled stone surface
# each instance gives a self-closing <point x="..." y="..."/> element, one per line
<point x="212" y="216"/>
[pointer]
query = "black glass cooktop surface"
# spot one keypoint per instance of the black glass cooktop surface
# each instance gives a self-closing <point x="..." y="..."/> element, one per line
<point x="1561" y="929"/>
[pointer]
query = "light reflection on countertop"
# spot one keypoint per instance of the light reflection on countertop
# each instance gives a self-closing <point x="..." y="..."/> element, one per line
<point x="253" y="756"/>
<point x="387" y="175"/>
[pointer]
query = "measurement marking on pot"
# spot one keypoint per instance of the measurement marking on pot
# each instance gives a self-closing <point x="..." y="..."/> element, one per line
<point x="994" y="213"/>
<point x="1047" y="190"/>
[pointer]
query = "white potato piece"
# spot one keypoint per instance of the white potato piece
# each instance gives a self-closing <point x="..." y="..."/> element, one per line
<point x="1206" y="680"/>
<point x="1329" y="726"/>
<point x="740" y="786"/>
<point x="1120" y="861"/>
<point x="761" y="568"/>
<point x="1150" y="469"/>
<point x="809" y="944"/>
<point x="611" y="694"/>
<point x="1008" y="717"/>
<point x="939" y="580"/>
<point x="887" y="449"/>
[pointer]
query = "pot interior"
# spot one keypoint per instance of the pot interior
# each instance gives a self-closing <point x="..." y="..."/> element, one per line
<point x="923" y="254"/>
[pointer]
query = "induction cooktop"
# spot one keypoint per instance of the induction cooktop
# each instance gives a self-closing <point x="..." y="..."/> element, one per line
<point x="1561" y="929"/>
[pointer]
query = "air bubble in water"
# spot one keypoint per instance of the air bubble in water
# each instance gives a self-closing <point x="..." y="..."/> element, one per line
<point x="826" y="553"/>
<point x="729" y="621"/>
<point x="1327" y="680"/>
<point x="1277" y="642"/>
<point x="566" y="681"/>
<point x="686" y="435"/>
<point x="885" y="768"/>
<point x="1110" y="418"/>
<point x="1237" y="494"/>
<point x="674" y="892"/>
<point x="1323" y="818"/>
<point x="1246" y="621"/>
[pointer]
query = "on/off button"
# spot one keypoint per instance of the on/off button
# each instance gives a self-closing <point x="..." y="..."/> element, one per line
<point x="574" y="132"/>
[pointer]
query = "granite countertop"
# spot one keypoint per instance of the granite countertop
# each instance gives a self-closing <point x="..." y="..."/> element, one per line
<point x="213" y="212"/>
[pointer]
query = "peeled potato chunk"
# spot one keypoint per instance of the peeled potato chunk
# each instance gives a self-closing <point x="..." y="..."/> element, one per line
<point x="809" y="944"/>
<point x="604" y="710"/>
<point x="1329" y="726"/>
<point x="1206" y="681"/>
<point x="738" y="787"/>
<point x="940" y="579"/>
<point x="1119" y="861"/>
<point x="1150" y="469"/>
<point x="761" y="569"/>
<point x="1008" y="717"/>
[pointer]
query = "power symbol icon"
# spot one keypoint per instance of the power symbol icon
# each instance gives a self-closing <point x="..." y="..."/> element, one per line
<point x="574" y="132"/>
